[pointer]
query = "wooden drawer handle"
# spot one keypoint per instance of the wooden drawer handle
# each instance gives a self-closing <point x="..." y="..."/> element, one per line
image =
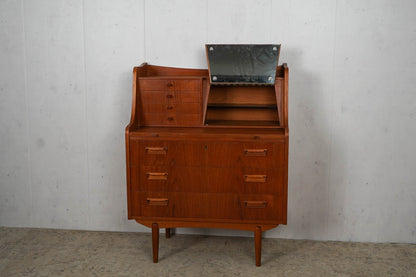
<point x="169" y="96"/>
<point x="170" y="118"/>
<point x="169" y="107"/>
<point x="157" y="201"/>
<point x="169" y="85"/>
<point x="156" y="150"/>
<point x="255" y="178"/>
<point x="157" y="175"/>
<point x="255" y="152"/>
<point x="256" y="204"/>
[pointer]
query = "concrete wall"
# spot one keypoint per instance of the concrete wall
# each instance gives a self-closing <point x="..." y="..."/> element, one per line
<point x="65" y="96"/>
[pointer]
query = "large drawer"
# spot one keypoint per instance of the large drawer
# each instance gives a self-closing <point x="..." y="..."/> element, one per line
<point x="207" y="179"/>
<point x="208" y="206"/>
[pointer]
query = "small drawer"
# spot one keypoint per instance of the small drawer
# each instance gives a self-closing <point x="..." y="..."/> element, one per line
<point x="186" y="85"/>
<point x="159" y="119"/>
<point x="158" y="108"/>
<point x="159" y="97"/>
<point x="151" y="84"/>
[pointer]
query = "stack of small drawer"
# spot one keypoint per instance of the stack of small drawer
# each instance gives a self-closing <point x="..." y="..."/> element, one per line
<point x="170" y="101"/>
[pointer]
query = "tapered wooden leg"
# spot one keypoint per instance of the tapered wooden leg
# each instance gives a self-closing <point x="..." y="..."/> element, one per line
<point x="155" y="242"/>
<point x="257" y="244"/>
<point x="167" y="232"/>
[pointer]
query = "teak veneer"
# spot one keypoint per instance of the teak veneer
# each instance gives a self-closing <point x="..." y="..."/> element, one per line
<point x="204" y="155"/>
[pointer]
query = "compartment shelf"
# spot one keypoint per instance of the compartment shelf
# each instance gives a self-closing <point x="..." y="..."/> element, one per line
<point x="236" y="106"/>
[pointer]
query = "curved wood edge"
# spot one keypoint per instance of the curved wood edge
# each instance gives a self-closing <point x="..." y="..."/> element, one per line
<point x="133" y="120"/>
<point x="220" y="225"/>
<point x="285" y="94"/>
<point x="155" y="70"/>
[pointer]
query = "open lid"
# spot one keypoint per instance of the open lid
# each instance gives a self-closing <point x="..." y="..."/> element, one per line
<point x="242" y="63"/>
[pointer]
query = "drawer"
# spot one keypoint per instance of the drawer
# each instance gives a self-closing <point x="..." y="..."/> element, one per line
<point x="188" y="205"/>
<point x="152" y="178"/>
<point x="157" y="96"/>
<point x="186" y="85"/>
<point x="151" y="84"/>
<point x="261" y="207"/>
<point x="188" y="108"/>
<point x="245" y="180"/>
<point x="160" y="119"/>
<point x="266" y="155"/>
<point x="208" y="206"/>
<point x="171" y="119"/>
<point x="169" y="84"/>
<point x="147" y="152"/>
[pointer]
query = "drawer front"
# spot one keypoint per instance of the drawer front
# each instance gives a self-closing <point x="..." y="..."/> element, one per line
<point x="143" y="152"/>
<point x="157" y="96"/>
<point x="180" y="108"/>
<point x="208" y="206"/>
<point x="186" y="85"/>
<point x="187" y="205"/>
<point x="264" y="155"/>
<point x="171" y="119"/>
<point x="153" y="178"/>
<point x="261" y="207"/>
<point x="245" y="180"/>
<point x="152" y="84"/>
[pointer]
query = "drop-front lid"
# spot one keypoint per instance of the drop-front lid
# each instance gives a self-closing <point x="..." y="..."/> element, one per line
<point x="253" y="64"/>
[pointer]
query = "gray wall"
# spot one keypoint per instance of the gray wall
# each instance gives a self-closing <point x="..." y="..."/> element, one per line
<point x="65" y="97"/>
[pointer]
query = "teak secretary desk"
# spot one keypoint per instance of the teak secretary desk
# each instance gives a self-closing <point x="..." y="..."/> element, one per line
<point x="209" y="148"/>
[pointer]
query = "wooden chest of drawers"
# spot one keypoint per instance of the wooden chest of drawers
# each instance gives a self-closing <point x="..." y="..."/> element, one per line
<point x="188" y="168"/>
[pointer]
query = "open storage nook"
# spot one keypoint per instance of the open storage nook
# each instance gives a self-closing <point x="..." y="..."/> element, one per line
<point x="207" y="155"/>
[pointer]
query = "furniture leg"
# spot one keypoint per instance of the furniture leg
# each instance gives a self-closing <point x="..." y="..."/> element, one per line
<point x="257" y="244"/>
<point x="155" y="241"/>
<point x="168" y="232"/>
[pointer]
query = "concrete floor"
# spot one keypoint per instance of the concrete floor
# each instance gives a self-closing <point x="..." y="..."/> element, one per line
<point x="44" y="252"/>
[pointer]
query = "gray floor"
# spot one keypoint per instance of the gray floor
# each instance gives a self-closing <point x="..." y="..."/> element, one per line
<point x="43" y="252"/>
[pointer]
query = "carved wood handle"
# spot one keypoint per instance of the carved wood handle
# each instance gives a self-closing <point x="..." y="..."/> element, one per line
<point x="169" y="96"/>
<point x="157" y="201"/>
<point x="157" y="175"/>
<point x="255" y="178"/>
<point x="156" y="150"/>
<point x="256" y="204"/>
<point x="255" y="152"/>
<point x="170" y="118"/>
